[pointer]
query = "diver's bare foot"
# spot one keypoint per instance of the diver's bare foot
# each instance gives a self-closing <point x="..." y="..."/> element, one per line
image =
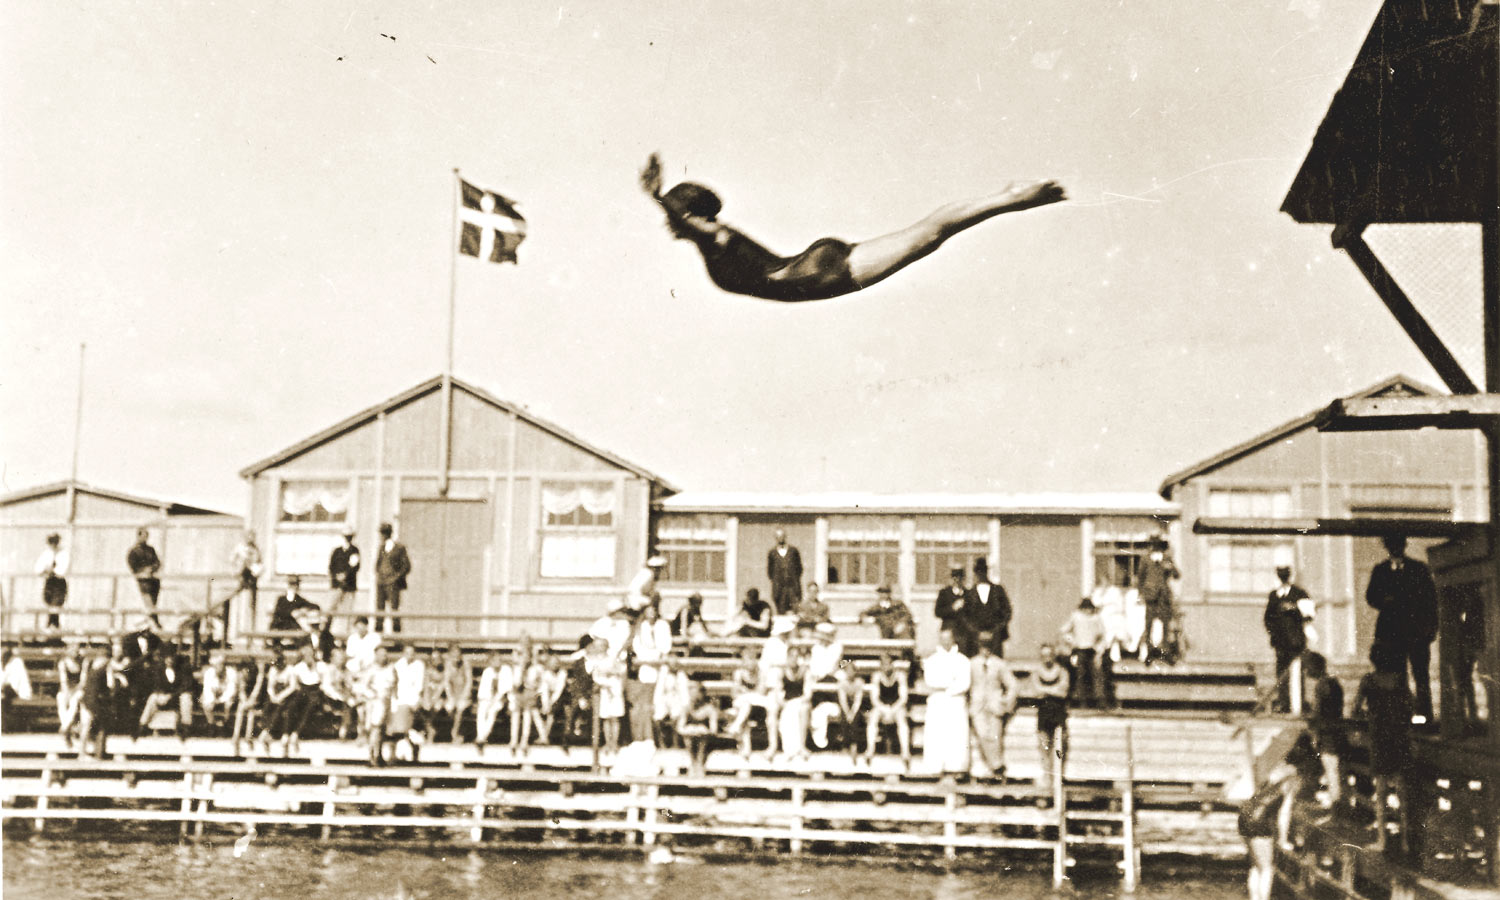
<point x="1039" y="193"/>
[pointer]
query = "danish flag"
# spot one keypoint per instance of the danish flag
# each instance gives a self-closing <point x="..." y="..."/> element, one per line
<point x="491" y="227"/>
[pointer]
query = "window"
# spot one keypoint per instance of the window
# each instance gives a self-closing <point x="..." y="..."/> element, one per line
<point x="307" y="527"/>
<point x="694" y="548"/>
<point x="578" y="530"/>
<point x="864" y="551"/>
<point x="944" y="546"/>
<point x="1240" y="503"/>
<point x="314" y="502"/>
<point x="1116" y="560"/>
<point x="1240" y="567"/>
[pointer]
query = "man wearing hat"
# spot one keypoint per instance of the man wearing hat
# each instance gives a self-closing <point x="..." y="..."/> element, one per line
<point x="1284" y="626"/>
<point x="1402" y="592"/>
<point x="343" y="571"/>
<point x="950" y="606"/>
<point x="987" y="610"/>
<point x="891" y="616"/>
<point x="293" y="610"/>
<point x="1153" y="582"/>
<point x="826" y="653"/>
<point x="392" y="566"/>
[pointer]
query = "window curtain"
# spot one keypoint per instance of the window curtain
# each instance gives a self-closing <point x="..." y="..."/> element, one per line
<point x="301" y="499"/>
<point x="597" y="500"/>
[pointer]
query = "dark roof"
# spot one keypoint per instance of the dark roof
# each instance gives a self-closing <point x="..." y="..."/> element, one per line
<point x="167" y="507"/>
<point x="1410" y="137"/>
<point x="421" y="390"/>
<point x="1395" y="385"/>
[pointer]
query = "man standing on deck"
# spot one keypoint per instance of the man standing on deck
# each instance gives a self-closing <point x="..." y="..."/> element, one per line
<point x="1154" y="581"/>
<point x="950" y="604"/>
<point x="391" y="568"/>
<point x="784" y="570"/>
<point x="992" y="701"/>
<point x="245" y="562"/>
<point x="145" y="565"/>
<point x="945" y="742"/>
<point x="343" y="571"/>
<point x="1284" y="626"/>
<point x="1402" y="590"/>
<point x="988" y="610"/>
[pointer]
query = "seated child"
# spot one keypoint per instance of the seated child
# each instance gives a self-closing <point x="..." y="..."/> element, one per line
<point x="697" y="721"/>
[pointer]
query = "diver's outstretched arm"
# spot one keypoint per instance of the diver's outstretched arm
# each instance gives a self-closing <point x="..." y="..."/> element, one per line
<point x="687" y="225"/>
<point x="651" y="177"/>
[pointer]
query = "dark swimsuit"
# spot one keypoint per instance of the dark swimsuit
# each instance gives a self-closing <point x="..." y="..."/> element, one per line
<point x="741" y="266"/>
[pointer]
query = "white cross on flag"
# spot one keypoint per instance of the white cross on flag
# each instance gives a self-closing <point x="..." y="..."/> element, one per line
<point x="492" y="229"/>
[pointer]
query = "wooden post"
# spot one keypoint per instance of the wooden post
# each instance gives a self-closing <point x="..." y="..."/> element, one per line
<point x="1060" y="804"/>
<point x="188" y="783"/>
<point x="594" y="728"/>
<point x="203" y="804"/>
<point x="798" y="796"/>
<point x="648" y="828"/>
<point x="1127" y="812"/>
<point x="476" y="831"/>
<point x="632" y="810"/>
<point x="41" y="795"/>
<point x="329" y="809"/>
<point x="950" y="825"/>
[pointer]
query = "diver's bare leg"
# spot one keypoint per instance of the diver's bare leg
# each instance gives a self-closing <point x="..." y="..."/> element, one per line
<point x="873" y="260"/>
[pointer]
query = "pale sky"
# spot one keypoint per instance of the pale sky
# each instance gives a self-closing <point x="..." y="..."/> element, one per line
<point x="245" y="211"/>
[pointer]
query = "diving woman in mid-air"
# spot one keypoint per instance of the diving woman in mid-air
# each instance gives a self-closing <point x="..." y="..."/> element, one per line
<point x="829" y="267"/>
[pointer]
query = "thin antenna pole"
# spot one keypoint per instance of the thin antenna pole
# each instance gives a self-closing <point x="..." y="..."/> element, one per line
<point x="445" y="439"/>
<point x="77" y="433"/>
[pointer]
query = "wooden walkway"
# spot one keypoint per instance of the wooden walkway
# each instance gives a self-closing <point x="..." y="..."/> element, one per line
<point x="1132" y="786"/>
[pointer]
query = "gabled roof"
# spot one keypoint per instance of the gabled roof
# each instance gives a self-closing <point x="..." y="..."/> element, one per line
<point x="1410" y="137"/>
<point x="1396" y="385"/>
<point x="421" y="390"/>
<point x="167" y="507"/>
<point x="822" y="502"/>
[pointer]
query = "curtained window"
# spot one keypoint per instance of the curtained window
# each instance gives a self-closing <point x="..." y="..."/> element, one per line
<point x="314" y="501"/>
<point x="864" y="551"/>
<point x="307" y="531"/>
<point x="940" y="549"/>
<point x="695" y="549"/>
<point x="578" y="530"/>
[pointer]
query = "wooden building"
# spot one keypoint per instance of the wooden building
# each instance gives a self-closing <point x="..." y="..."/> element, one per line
<point x="533" y="523"/>
<point x="1296" y="472"/>
<point x="1046" y="550"/>
<point x="97" y="527"/>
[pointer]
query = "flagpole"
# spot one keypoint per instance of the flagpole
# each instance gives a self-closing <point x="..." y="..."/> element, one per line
<point x="445" y="438"/>
<point x="77" y="433"/>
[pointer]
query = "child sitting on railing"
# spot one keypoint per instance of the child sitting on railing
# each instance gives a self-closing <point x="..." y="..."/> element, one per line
<point x="495" y="686"/>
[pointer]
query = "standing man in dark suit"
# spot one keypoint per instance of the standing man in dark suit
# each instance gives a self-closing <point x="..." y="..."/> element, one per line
<point x="391" y="568"/>
<point x="950" y="607"/>
<point x="784" y="569"/>
<point x="145" y="565"/>
<point x="343" y="571"/>
<point x="1284" y="626"/>
<point x="988" y="611"/>
<point x="1154" y="582"/>
<point x="1403" y="592"/>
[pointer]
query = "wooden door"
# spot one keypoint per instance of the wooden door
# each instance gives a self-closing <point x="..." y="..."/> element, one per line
<point x="447" y="541"/>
